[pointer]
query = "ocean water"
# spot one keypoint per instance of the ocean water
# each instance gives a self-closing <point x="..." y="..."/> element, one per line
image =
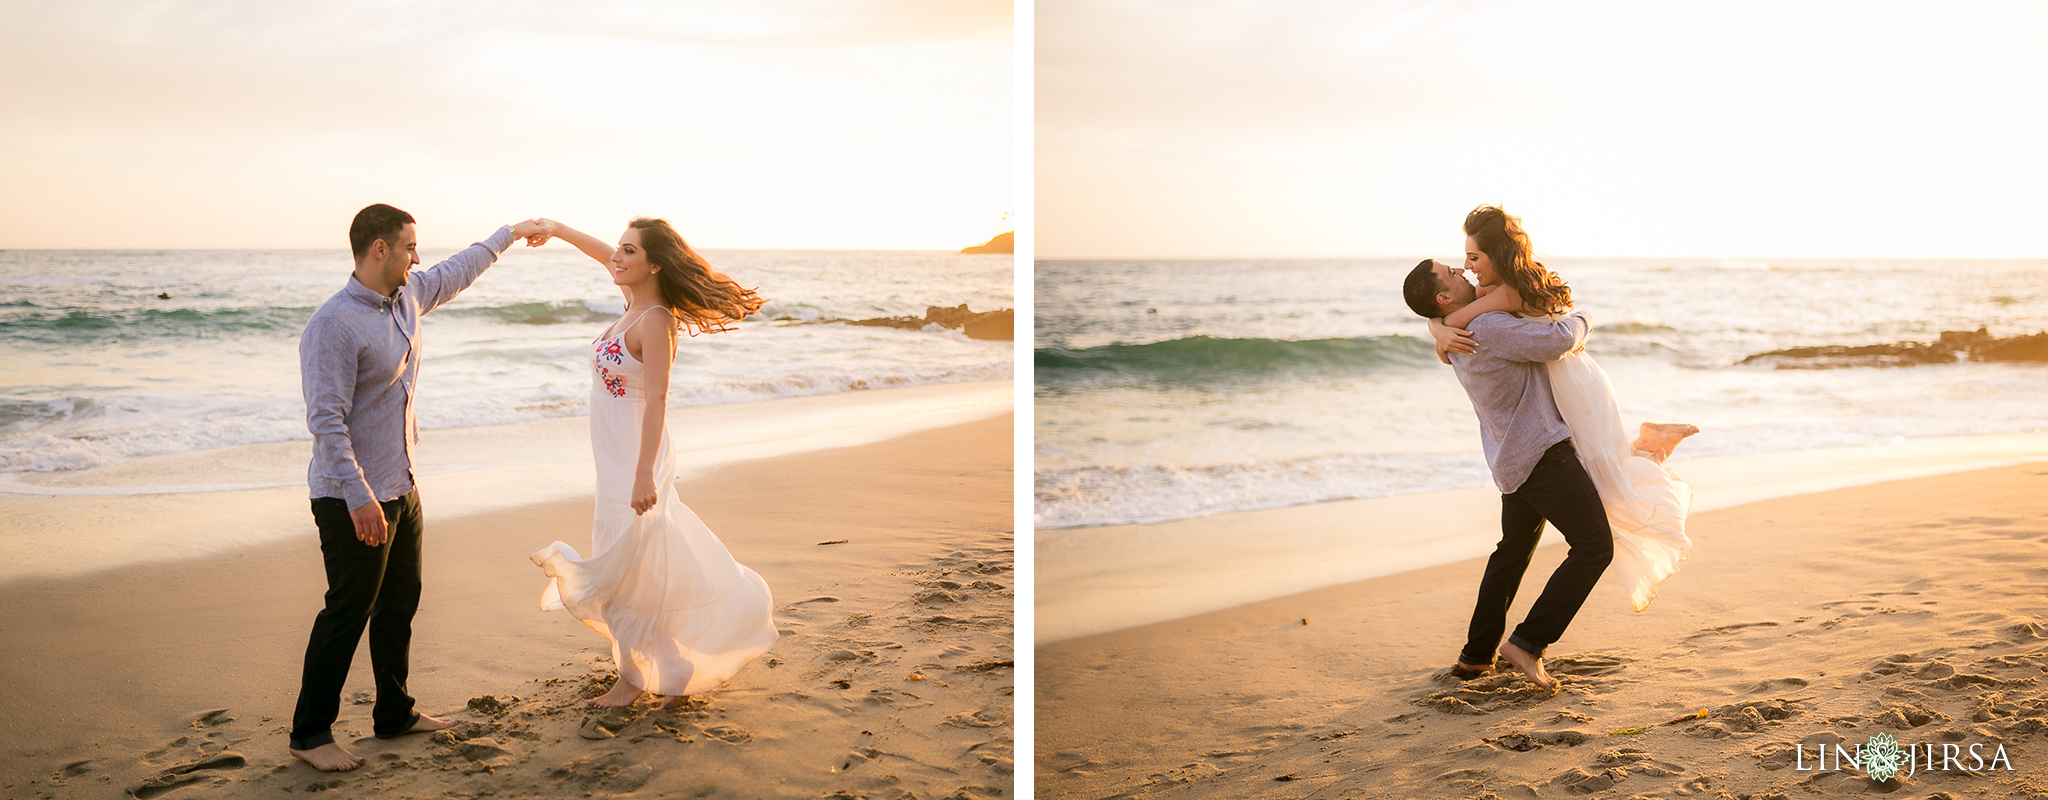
<point x="1173" y="389"/>
<point x="107" y="356"/>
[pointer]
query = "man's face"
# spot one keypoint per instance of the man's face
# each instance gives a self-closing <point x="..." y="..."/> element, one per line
<point x="400" y="259"/>
<point x="1452" y="287"/>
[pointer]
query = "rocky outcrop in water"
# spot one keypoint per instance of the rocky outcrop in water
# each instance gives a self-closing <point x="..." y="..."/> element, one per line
<point x="993" y="325"/>
<point x="1952" y="347"/>
<point x="1005" y="242"/>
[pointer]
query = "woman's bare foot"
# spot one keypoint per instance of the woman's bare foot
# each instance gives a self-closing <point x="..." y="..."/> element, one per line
<point x="1465" y="672"/>
<point x="1661" y="438"/>
<point x="1530" y="665"/>
<point x="622" y="694"/>
<point x="329" y="757"/>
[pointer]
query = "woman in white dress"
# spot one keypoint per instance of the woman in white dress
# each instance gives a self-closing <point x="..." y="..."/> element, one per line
<point x="681" y="614"/>
<point x="1646" y="503"/>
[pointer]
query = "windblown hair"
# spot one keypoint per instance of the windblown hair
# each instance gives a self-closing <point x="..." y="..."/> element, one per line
<point x="704" y="301"/>
<point x="1502" y="239"/>
<point x="374" y="222"/>
<point x="1420" y="290"/>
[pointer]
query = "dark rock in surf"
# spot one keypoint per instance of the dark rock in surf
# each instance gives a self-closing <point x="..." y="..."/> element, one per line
<point x="989" y="325"/>
<point x="1952" y="347"/>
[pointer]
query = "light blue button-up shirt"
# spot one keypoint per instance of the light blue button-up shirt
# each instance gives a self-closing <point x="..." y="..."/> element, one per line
<point x="1509" y="384"/>
<point x="359" y="364"/>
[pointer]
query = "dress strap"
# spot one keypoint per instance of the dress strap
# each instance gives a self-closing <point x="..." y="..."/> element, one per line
<point x="609" y="333"/>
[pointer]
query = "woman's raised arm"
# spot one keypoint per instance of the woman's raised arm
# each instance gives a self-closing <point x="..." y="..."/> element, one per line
<point x="1501" y="298"/>
<point x="590" y="245"/>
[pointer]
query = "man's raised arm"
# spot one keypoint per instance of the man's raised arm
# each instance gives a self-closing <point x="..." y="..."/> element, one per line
<point x="442" y="282"/>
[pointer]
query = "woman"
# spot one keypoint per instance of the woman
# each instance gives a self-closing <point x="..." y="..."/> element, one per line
<point x="1646" y="503"/>
<point x="681" y="614"/>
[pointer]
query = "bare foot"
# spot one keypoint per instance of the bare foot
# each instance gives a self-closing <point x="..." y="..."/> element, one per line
<point x="1661" y="437"/>
<point x="329" y="757"/>
<point x="429" y="724"/>
<point x="622" y="694"/>
<point x="1531" y="666"/>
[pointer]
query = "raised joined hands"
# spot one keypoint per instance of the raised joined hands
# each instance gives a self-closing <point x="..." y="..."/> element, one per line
<point x="536" y="231"/>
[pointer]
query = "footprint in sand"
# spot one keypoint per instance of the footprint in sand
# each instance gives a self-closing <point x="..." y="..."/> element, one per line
<point x="607" y="773"/>
<point x="1907" y="716"/>
<point x="153" y="755"/>
<point x="1776" y="684"/>
<point x="936" y="597"/>
<point x="1586" y="665"/>
<point x="208" y="769"/>
<point x="978" y="719"/>
<point x="998" y="753"/>
<point x="1072" y="762"/>
<point x="607" y="723"/>
<point x="1736" y="628"/>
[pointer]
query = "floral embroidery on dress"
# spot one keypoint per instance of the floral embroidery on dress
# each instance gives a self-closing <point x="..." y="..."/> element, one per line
<point x="611" y="350"/>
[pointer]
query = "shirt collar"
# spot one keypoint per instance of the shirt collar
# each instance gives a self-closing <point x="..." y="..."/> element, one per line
<point x="370" y="297"/>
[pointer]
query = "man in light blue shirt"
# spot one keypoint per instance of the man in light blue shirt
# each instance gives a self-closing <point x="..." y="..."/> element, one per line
<point x="359" y="365"/>
<point x="1529" y="451"/>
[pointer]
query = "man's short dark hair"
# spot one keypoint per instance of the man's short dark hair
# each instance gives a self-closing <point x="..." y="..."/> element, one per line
<point x="376" y="222"/>
<point x="1421" y="288"/>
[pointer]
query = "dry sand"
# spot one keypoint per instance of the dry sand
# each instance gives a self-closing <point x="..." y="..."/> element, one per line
<point x="1912" y="608"/>
<point x="893" y="677"/>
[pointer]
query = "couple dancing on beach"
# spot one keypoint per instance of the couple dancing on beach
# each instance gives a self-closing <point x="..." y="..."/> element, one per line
<point x="1554" y="441"/>
<point x="681" y="614"/>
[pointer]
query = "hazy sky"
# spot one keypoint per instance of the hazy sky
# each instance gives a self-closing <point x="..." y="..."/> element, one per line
<point x="256" y="123"/>
<point x="1168" y="128"/>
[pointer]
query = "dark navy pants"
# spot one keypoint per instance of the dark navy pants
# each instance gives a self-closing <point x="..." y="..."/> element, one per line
<point x="373" y="587"/>
<point x="1560" y="491"/>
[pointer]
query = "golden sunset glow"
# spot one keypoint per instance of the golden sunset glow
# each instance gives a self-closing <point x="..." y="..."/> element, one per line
<point x="882" y="124"/>
<point x="1612" y="128"/>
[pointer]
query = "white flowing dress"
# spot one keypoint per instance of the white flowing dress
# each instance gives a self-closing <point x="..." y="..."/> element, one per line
<point x="681" y="614"/>
<point x="1646" y="503"/>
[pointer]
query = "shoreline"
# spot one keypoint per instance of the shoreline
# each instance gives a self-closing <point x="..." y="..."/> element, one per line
<point x="1100" y="579"/>
<point x="196" y="661"/>
<point x="463" y="472"/>
<point x="1908" y="607"/>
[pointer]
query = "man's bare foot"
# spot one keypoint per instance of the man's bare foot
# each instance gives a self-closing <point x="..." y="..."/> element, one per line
<point x="1465" y="672"/>
<point x="329" y="757"/>
<point x="429" y="724"/>
<point x="425" y="724"/>
<point x="1662" y="437"/>
<point x="1531" y="666"/>
<point x="622" y="694"/>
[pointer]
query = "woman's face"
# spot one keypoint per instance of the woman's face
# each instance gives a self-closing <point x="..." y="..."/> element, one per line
<point x="629" y="261"/>
<point x="1480" y="264"/>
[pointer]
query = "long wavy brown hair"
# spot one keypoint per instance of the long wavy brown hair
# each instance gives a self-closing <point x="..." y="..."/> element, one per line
<point x="704" y="301"/>
<point x="1502" y="239"/>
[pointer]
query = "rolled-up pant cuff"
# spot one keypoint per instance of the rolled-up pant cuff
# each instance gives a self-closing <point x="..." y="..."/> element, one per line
<point x="1527" y="646"/>
<point x="401" y="731"/>
<point x="316" y="740"/>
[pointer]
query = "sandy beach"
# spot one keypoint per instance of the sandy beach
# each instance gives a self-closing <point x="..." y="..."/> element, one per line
<point x="1910" y="607"/>
<point x="891" y="564"/>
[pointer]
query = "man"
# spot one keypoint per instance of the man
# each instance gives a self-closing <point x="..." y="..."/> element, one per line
<point x="1529" y="450"/>
<point x="359" y="364"/>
